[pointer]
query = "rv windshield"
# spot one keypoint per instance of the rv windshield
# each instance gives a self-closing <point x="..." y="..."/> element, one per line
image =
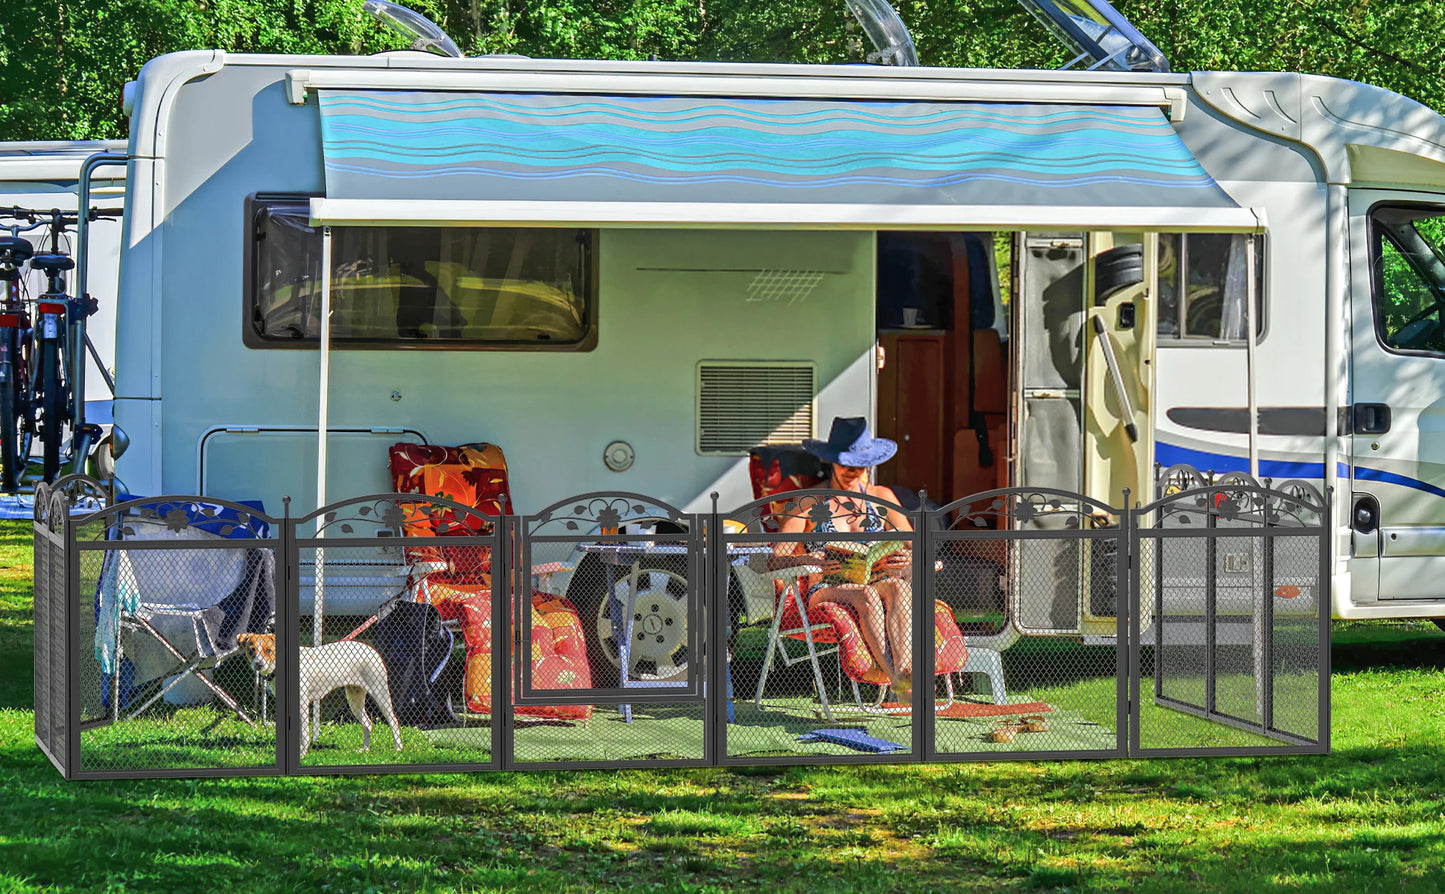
<point x="440" y="286"/>
<point x="1409" y="274"/>
<point x="1100" y="36"/>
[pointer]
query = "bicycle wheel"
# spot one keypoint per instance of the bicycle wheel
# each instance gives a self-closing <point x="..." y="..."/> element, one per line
<point x="11" y="462"/>
<point x="52" y="406"/>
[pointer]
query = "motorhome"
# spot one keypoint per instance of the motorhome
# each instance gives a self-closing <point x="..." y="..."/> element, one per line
<point x="629" y="275"/>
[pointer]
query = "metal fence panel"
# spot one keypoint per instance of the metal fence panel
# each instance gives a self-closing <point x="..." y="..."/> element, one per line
<point x="392" y="603"/>
<point x="609" y="664"/>
<point x="1233" y="581"/>
<point x="823" y="660"/>
<point x="163" y="590"/>
<point x="1040" y="688"/>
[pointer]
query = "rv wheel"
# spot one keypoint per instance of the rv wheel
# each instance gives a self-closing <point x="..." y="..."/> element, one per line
<point x="659" y="619"/>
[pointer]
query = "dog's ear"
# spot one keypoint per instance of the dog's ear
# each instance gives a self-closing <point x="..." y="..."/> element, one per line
<point x="245" y="638"/>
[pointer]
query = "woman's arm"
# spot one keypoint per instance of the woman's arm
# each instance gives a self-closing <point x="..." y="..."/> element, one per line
<point x="896" y="520"/>
<point x="791" y="554"/>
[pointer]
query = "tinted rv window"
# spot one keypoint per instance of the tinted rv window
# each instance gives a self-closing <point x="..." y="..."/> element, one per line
<point x="1204" y="286"/>
<point x="1408" y="245"/>
<point x="421" y="286"/>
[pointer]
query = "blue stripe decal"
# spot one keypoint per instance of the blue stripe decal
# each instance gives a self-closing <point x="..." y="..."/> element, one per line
<point x="1170" y="455"/>
<point x="1364" y="474"/>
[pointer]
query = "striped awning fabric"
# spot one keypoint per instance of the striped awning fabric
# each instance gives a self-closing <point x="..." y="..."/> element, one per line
<point x="420" y="145"/>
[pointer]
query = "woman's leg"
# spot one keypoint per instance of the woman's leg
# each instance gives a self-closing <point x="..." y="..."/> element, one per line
<point x="897" y="598"/>
<point x="872" y="618"/>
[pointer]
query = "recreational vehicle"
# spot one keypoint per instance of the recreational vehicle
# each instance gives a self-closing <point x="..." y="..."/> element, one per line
<point x="629" y="276"/>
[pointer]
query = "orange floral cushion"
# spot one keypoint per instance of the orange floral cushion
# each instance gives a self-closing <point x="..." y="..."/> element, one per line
<point x="559" y="653"/>
<point x="474" y="475"/>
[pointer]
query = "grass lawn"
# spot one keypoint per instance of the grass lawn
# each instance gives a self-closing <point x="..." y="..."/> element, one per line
<point x="1370" y="817"/>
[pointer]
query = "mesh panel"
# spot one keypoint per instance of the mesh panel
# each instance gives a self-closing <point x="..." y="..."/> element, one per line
<point x="1295" y="635"/>
<point x="395" y="641"/>
<point x="163" y="685"/>
<point x="45" y="702"/>
<point x="649" y="732"/>
<point x="821" y="661"/>
<point x="1045" y="692"/>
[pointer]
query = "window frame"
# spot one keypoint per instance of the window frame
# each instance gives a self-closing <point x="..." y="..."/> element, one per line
<point x="1374" y="240"/>
<point x="258" y="202"/>
<point x="1262" y="328"/>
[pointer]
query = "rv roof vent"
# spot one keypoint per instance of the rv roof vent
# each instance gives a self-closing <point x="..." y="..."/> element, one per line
<point x="747" y="404"/>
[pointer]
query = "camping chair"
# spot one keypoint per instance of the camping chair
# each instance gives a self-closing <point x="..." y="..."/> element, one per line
<point x="832" y="628"/>
<point x="458" y="580"/>
<point x="181" y="610"/>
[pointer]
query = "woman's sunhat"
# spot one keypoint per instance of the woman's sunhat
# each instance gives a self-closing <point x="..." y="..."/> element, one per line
<point x="848" y="444"/>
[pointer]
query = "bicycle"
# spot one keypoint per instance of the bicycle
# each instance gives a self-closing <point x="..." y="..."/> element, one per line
<point x="47" y="363"/>
<point x="16" y="421"/>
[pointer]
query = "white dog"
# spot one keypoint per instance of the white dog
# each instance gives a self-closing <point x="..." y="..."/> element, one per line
<point x="355" y="666"/>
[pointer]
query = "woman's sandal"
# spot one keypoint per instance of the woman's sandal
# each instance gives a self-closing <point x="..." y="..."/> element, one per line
<point x="1034" y="723"/>
<point x="1002" y="733"/>
<point x="903" y="690"/>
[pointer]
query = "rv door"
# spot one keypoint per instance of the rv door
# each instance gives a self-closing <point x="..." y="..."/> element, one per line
<point x="1397" y="413"/>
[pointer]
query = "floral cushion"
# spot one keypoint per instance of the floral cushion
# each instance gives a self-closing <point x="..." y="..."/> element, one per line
<point x="559" y="653"/>
<point x="474" y="475"/>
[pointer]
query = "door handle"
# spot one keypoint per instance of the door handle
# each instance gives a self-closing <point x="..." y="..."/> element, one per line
<point x="1371" y="419"/>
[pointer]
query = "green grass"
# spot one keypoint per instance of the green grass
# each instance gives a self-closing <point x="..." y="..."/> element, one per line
<point x="1369" y="817"/>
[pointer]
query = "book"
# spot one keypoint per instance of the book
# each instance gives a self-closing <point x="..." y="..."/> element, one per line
<point x="859" y="559"/>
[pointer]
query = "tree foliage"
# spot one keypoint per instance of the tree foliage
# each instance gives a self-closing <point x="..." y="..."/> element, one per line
<point x="63" y="62"/>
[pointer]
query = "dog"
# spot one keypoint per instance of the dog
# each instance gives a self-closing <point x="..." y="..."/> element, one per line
<point x="355" y="666"/>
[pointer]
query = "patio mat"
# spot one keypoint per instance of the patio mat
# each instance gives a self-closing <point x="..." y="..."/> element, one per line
<point x="965" y="710"/>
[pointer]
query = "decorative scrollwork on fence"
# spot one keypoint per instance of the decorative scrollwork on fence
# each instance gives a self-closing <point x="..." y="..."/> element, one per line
<point x="1179" y="478"/>
<point x="1020" y="507"/>
<point x="56" y="511"/>
<point x="83" y="492"/>
<point x="402" y="515"/>
<point x="608" y="513"/>
<point x="1294" y="504"/>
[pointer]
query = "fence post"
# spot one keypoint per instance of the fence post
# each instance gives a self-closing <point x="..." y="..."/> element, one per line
<point x="717" y="620"/>
<point x="925" y="683"/>
<point x="1126" y="667"/>
<point x="70" y="577"/>
<point x="505" y="624"/>
<point x="288" y="652"/>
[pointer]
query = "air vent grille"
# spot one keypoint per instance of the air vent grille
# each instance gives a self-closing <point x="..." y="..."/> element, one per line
<point x="747" y="405"/>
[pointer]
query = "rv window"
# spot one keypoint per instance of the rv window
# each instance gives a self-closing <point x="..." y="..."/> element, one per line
<point x="1409" y="276"/>
<point x="421" y="286"/>
<point x="1209" y="271"/>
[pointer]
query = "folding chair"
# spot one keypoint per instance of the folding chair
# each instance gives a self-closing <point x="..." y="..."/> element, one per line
<point x="180" y="610"/>
<point x="832" y="628"/>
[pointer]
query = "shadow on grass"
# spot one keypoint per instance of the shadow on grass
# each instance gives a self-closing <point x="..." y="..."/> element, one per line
<point x="1363" y="819"/>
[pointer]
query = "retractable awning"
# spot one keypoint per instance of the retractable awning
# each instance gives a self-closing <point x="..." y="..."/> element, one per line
<point x="454" y="157"/>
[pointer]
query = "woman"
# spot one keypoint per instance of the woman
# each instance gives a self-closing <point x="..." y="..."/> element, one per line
<point x="884" y="606"/>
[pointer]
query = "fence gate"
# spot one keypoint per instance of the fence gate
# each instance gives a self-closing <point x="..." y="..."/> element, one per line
<point x="1230" y="644"/>
<point x="610" y="672"/>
